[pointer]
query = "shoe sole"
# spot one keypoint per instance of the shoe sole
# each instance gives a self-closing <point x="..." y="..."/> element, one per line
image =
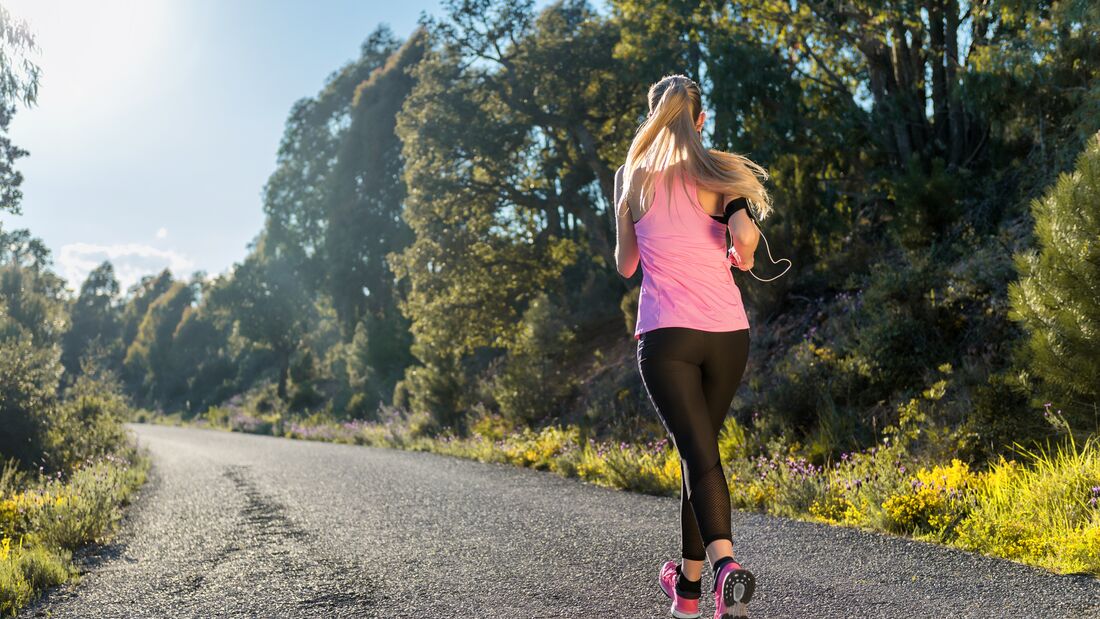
<point x="737" y="592"/>
<point x="673" y="613"/>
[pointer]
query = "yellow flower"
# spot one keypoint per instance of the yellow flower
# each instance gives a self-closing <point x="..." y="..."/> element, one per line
<point x="955" y="476"/>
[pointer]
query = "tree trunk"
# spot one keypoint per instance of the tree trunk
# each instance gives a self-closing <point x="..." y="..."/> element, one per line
<point x="600" y="228"/>
<point x="893" y="134"/>
<point x="912" y="120"/>
<point x="284" y="370"/>
<point x="955" y="114"/>
<point x="939" y="77"/>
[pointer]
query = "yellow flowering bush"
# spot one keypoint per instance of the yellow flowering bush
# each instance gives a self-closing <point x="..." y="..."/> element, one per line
<point x="540" y="449"/>
<point x="670" y="470"/>
<point x="1081" y="550"/>
<point x="9" y="516"/>
<point x="17" y="511"/>
<point x="938" y="497"/>
<point x="955" y="476"/>
<point x="591" y="466"/>
<point x="491" y="426"/>
<point x="835" y="509"/>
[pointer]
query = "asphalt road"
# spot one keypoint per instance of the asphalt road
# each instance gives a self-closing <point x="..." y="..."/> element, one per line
<point x="234" y="525"/>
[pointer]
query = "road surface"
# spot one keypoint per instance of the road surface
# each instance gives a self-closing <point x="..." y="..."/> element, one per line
<point x="237" y="525"/>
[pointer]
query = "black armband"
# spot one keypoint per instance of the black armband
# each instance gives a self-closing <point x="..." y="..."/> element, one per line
<point x="732" y="207"/>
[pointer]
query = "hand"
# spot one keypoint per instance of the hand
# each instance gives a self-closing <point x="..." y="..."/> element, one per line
<point x="736" y="260"/>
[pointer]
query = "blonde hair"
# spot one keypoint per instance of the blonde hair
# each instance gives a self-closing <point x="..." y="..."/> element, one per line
<point x="667" y="139"/>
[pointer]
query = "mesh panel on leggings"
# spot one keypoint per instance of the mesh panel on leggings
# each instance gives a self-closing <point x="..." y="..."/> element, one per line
<point x="710" y="500"/>
<point x="691" y="541"/>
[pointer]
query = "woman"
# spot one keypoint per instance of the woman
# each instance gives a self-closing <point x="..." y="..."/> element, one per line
<point x="692" y="331"/>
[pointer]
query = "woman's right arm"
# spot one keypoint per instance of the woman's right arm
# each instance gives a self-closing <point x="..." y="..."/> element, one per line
<point x="745" y="237"/>
<point x="626" y="242"/>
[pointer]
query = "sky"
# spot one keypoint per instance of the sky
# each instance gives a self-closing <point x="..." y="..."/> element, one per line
<point x="157" y="121"/>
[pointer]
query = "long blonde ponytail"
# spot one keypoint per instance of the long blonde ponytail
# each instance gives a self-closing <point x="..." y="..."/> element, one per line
<point x="667" y="139"/>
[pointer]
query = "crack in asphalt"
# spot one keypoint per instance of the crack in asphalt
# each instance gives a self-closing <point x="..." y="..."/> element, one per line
<point x="248" y="558"/>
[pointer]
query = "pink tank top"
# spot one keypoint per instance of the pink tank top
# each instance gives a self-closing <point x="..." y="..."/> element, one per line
<point x="686" y="277"/>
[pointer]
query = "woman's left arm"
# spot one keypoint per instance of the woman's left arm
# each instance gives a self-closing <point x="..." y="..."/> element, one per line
<point x="626" y="241"/>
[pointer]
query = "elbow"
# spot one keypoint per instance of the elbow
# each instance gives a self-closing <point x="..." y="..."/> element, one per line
<point x="749" y="238"/>
<point x="626" y="262"/>
<point x="626" y="268"/>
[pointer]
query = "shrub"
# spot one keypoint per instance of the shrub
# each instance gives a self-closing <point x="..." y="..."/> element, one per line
<point x="490" y="425"/>
<point x="434" y="388"/>
<point x="87" y="507"/>
<point x="938" y="498"/>
<point x="26" y="570"/>
<point x="40" y="525"/>
<point x="1055" y="299"/>
<point x="88" y="422"/>
<point x="532" y="380"/>
<point x="1043" y="511"/>
<point x="1002" y="414"/>
<point x="28" y="380"/>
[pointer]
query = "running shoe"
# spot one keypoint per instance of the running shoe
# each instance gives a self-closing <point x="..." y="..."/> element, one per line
<point x="733" y="587"/>
<point x="681" y="607"/>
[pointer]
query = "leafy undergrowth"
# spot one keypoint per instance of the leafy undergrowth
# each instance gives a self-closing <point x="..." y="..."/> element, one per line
<point x="43" y="521"/>
<point x="1040" y="509"/>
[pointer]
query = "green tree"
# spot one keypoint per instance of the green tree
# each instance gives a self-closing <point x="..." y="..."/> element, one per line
<point x="31" y="295"/>
<point x="367" y="193"/>
<point x="32" y="320"/>
<point x="366" y="197"/>
<point x="269" y="305"/>
<point x="28" y="393"/>
<point x="18" y="83"/>
<point x="1056" y="299"/>
<point x="152" y="354"/>
<point x="95" y="321"/>
<point x="136" y="304"/>
<point x="296" y="195"/>
<point x="508" y="140"/>
<point x="203" y="364"/>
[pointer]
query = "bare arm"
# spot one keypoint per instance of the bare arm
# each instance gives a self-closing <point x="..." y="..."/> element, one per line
<point x="745" y="237"/>
<point x="626" y="242"/>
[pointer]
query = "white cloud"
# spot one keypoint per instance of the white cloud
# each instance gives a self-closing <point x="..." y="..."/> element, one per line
<point x="130" y="260"/>
<point x="162" y="232"/>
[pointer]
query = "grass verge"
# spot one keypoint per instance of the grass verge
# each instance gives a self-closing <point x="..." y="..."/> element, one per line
<point x="42" y="522"/>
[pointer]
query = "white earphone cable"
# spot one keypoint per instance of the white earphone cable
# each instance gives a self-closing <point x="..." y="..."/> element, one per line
<point x="770" y="258"/>
<point x="769" y="249"/>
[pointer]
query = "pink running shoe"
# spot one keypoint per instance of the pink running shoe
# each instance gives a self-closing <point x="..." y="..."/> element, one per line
<point x="681" y="607"/>
<point x="733" y="587"/>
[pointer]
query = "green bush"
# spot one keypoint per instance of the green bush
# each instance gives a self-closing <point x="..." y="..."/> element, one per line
<point x="28" y="384"/>
<point x="25" y="571"/>
<point x="1056" y="297"/>
<point x="1002" y="414"/>
<point x="88" y="421"/>
<point x="435" y="388"/>
<point x="629" y="306"/>
<point x="532" y="380"/>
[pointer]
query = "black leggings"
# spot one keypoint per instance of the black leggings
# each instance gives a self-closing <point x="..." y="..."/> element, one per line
<point x="691" y="377"/>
